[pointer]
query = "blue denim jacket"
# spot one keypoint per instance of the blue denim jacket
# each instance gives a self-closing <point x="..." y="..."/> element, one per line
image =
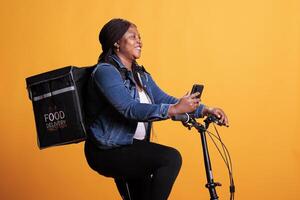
<point x="121" y="109"/>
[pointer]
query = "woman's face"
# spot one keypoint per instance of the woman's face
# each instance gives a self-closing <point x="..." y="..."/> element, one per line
<point x="130" y="44"/>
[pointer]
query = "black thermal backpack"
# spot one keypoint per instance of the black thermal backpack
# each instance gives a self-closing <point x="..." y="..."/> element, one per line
<point x="58" y="97"/>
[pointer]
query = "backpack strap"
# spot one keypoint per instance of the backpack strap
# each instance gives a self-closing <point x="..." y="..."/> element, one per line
<point x="123" y="71"/>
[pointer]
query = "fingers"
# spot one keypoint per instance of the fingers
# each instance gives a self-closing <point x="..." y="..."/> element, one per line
<point x="188" y="94"/>
<point x="194" y="94"/>
<point x="192" y="98"/>
<point x="188" y="103"/>
<point x="194" y="101"/>
<point x="219" y="113"/>
<point x="225" y="119"/>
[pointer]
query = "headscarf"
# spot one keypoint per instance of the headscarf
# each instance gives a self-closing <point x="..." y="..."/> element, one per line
<point x="111" y="32"/>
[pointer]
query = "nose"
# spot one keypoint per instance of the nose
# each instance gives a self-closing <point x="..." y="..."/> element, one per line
<point x="139" y="41"/>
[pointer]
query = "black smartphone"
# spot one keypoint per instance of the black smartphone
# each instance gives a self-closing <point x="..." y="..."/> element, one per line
<point x="197" y="88"/>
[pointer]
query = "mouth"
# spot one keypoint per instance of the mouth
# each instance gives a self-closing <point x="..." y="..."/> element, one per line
<point x="138" y="48"/>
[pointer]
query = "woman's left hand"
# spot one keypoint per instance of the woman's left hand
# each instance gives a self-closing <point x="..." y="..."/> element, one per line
<point x="218" y="112"/>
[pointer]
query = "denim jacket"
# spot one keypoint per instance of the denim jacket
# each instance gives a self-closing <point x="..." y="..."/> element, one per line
<point x="120" y="105"/>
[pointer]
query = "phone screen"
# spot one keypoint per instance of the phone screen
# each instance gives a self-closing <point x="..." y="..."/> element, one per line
<point x="197" y="88"/>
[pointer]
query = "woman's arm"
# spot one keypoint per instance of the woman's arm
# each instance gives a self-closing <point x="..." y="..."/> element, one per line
<point x="158" y="94"/>
<point x="178" y="105"/>
<point x="161" y="97"/>
<point x="109" y="82"/>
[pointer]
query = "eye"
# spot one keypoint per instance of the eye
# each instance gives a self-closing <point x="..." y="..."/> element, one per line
<point x="134" y="36"/>
<point x="131" y="36"/>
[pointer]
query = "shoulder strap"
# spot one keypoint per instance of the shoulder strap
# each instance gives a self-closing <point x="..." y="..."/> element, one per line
<point x="123" y="71"/>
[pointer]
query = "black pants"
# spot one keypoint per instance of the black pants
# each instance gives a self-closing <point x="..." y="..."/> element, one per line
<point x="148" y="169"/>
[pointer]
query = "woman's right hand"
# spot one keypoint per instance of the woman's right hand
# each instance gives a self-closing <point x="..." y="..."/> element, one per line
<point x="188" y="103"/>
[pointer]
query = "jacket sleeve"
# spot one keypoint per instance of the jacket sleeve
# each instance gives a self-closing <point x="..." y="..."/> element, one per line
<point x="158" y="94"/>
<point x="109" y="81"/>
<point x="161" y="97"/>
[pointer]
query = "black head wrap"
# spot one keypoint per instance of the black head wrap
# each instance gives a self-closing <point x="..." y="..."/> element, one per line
<point x="111" y="32"/>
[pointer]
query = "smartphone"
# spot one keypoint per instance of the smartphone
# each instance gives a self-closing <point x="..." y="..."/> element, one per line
<point x="197" y="88"/>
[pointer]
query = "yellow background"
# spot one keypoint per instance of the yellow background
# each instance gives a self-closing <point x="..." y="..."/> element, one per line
<point x="246" y="53"/>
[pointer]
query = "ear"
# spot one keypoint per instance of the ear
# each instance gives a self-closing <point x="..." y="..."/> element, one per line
<point x="116" y="45"/>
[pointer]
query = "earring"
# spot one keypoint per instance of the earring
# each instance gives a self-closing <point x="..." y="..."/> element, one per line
<point x="117" y="46"/>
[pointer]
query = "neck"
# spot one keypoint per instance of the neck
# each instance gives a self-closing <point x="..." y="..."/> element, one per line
<point x="126" y="61"/>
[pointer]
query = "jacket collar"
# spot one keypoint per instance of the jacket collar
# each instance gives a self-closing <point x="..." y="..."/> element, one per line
<point x="121" y="65"/>
<point x="118" y="61"/>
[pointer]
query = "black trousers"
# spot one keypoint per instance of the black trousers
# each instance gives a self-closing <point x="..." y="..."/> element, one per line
<point x="147" y="170"/>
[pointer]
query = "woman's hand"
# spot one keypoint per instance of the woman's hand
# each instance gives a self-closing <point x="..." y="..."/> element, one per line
<point x="218" y="112"/>
<point x="186" y="104"/>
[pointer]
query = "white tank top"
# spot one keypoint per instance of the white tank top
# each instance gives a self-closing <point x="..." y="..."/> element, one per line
<point x="140" y="131"/>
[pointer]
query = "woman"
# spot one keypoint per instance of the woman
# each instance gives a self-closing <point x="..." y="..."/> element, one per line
<point x="128" y="101"/>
